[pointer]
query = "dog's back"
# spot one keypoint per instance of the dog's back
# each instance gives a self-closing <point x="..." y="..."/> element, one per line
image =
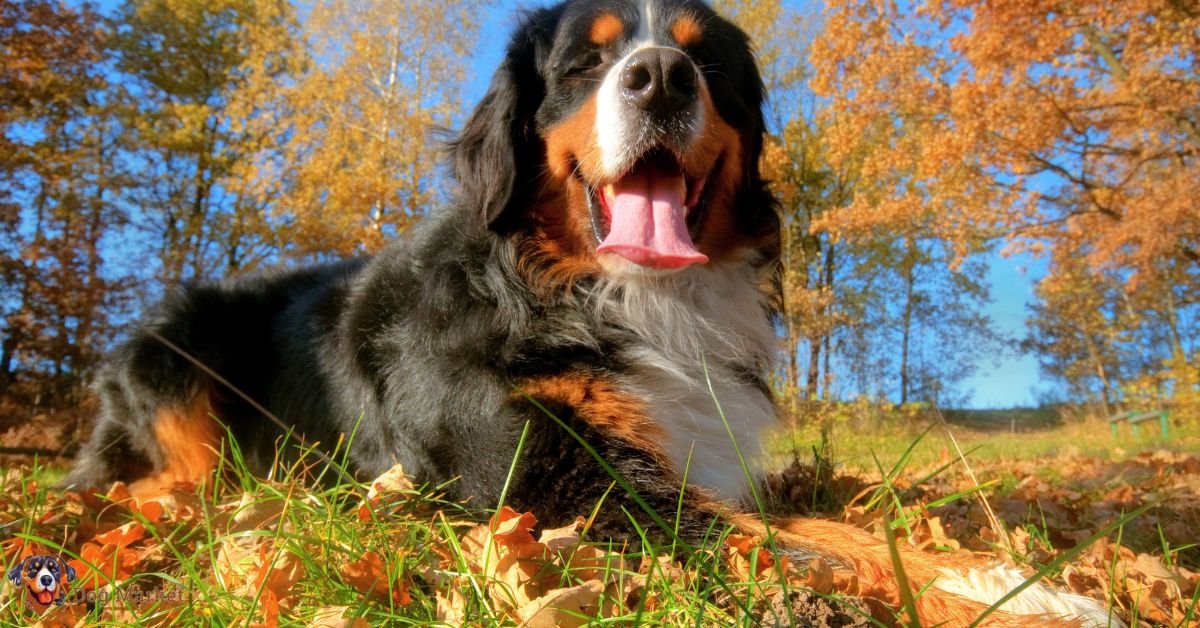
<point x="251" y="332"/>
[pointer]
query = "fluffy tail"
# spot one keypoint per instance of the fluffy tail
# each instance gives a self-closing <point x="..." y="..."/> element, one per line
<point x="962" y="588"/>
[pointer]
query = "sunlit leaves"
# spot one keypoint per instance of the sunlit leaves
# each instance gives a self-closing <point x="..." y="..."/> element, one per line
<point x="57" y="292"/>
<point x="360" y="163"/>
<point x="1043" y="119"/>
<point x="1065" y="128"/>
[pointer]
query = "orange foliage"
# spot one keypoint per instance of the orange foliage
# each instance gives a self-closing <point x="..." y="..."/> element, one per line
<point x="1071" y="122"/>
<point x="359" y="163"/>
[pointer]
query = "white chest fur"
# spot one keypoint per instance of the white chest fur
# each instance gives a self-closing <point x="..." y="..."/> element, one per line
<point x="707" y="316"/>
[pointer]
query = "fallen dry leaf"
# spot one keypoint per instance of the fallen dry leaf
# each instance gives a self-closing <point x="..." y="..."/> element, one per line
<point x="937" y="534"/>
<point x="100" y="565"/>
<point x="269" y="605"/>
<point x="564" y="538"/>
<point x="452" y="607"/>
<point x="122" y="536"/>
<point x="512" y="528"/>
<point x="278" y="575"/>
<point x="255" y="512"/>
<point x="753" y="563"/>
<point x="65" y="616"/>
<point x="393" y="480"/>
<point x="335" y="617"/>
<point x="566" y="608"/>
<point x="819" y="577"/>
<point x="237" y="560"/>
<point x="588" y="562"/>
<point x="369" y="575"/>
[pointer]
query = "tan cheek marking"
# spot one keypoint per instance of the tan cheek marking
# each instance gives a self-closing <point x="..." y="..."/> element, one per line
<point x="718" y="139"/>
<point x="606" y="29"/>
<point x="190" y="440"/>
<point x="562" y="249"/>
<point x="686" y="31"/>
<point x="598" y="402"/>
<point x="573" y="138"/>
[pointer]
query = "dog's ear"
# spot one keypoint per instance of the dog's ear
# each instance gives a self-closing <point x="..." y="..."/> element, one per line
<point x="68" y="571"/>
<point x="16" y="574"/>
<point x="485" y="151"/>
<point x="758" y="209"/>
<point x="495" y="156"/>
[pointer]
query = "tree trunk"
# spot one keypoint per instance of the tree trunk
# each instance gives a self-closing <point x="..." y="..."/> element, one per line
<point x="814" y="343"/>
<point x="13" y="342"/>
<point x="814" y="368"/>
<point x="791" y="340"/>
<point x="829" y="265"/>
<point x="198" y="214"/>
<point x="1101" y="372"/>
<point x="1173" y="323"/>
<point x="906" y="320"/>
<point x="92" y="317"/>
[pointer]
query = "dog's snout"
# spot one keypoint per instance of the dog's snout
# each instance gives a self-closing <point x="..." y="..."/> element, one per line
<point x="659" y="80"/>
<point x="46" y="580"/>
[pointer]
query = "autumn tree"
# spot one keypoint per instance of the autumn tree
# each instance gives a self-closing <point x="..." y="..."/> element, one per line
<point x="178" y="140"/>
<point x="1075" y="328"/>
<point x="58" y="290"/>
<point x="1071" y="126"/>
<point x="1106" y="340"/>
<point x="360" y="164"/>
<point x="195" y="75"/>
<point x="805" y="186"/>
<point x="857" y="305"/>
<point x="1065" y="120"/>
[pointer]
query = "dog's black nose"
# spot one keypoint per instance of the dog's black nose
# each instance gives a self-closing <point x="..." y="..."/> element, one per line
<point x="659" y="80"/>
<point x="46" y="581"/>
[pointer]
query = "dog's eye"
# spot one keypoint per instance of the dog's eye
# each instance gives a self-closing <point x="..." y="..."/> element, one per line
<point x="586" y="63"/>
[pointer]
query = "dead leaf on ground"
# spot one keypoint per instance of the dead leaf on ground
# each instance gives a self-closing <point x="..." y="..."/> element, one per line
<point x="452" y="607"/>
<point x="335" y="617"/>
<point x="567" y="608"/>
<point x="369" y="575"/>
<point x="394" y="480"/>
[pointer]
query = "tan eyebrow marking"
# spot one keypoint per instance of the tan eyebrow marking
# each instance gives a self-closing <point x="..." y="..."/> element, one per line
<point x="686" y="31"/>
<point x="606" y="29"/>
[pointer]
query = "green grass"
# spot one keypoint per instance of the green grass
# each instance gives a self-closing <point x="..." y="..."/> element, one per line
<point x="853" y="444"/>
<point x="315" y="528"/>
<point x="224" y="554"/>
<point x="220" y="557"/>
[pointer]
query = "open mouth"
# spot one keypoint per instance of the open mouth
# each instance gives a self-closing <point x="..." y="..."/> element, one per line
<point x="650" y="215"/>
<point x="45" y="598"/>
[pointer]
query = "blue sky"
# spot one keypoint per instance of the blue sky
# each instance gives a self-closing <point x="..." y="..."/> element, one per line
<point x="1013" y="380"/>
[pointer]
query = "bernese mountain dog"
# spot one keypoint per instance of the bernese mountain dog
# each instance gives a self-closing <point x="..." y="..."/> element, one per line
<point x="602" y="282"/>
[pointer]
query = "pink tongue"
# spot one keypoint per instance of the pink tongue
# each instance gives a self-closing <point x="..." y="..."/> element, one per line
<point x="648" y="226"/>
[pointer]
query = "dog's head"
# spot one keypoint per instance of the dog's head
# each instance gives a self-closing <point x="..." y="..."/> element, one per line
<point x="45" y="577"/>
<point x="622" y="136"/>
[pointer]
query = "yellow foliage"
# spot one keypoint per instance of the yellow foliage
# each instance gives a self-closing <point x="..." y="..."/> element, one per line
<point x="360" y="158"/>
<point x="1036" y="119"/>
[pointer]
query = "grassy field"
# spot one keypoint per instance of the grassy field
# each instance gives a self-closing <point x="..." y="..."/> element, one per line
<point x="985" y="435"/>
<point x="280" y="552"/>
